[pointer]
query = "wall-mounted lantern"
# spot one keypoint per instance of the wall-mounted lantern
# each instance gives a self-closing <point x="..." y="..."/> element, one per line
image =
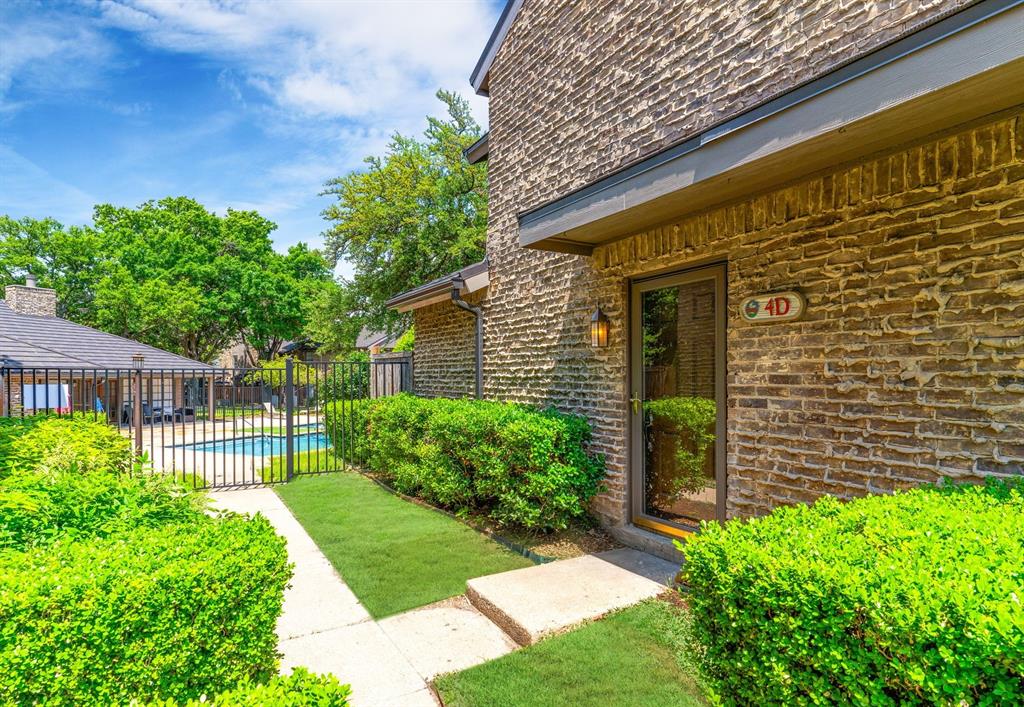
<point x="599" y="329"/>
<point x="137" y="361"/>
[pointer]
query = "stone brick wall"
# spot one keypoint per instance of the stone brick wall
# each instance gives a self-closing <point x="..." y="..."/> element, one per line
<point x="908" y="366"/>
<point x="35" y="301"/>
<point x="580" y="88"/>
<point x="444" y="357"/>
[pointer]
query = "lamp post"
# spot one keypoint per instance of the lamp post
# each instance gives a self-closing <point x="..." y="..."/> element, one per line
<point x="599" y="326"/>
<point x="138" y="361"/>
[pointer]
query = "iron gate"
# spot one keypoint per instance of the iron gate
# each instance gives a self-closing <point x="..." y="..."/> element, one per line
<point x="219" y="427"/>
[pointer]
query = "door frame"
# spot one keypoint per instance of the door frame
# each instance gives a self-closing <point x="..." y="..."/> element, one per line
<point x="718" y="272"/>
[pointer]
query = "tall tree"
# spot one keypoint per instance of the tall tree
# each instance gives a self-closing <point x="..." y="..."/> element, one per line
<point x="416" y="213"/>
<point x="171" y="274"/>
<point x="66" y="259"/>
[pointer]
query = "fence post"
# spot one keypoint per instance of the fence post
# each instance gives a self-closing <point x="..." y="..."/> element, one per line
<point x="289" y="423"/>
<point x="137" y="413"/>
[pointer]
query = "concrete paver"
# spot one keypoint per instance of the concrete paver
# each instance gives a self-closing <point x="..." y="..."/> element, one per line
<point x="361" y="655"/>
<point x="446" y="637"/>
<point x="535" y="602"/>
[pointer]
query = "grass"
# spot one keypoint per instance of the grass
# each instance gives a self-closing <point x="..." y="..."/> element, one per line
<point x="643" y="655"/>
<point x="393" y="554"/>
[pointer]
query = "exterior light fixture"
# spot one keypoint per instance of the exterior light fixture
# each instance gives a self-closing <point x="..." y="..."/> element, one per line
<point x="598" y="329"/>
<point x="137" y="361"/>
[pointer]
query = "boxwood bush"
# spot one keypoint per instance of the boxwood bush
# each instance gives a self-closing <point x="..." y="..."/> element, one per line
<point x="914" y="598"/>
<point x="117" y="587"/>
<point x="299" y="689"/>
<point x="515" y="464"/>
<point x="172" y="612"/>
<point x="50" y="442"/>
<point x="36" y="507"/>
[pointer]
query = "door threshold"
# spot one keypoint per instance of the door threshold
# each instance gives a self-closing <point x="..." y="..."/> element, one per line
<point x="663" y="528"/>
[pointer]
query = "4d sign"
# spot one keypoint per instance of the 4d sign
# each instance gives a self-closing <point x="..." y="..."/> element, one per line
<point x="777" y="307"/>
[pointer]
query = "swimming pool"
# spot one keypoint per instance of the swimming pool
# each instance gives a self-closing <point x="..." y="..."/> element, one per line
<point x="261" y="445"/>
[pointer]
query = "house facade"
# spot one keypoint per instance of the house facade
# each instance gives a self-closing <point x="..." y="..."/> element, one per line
<point x="800" y="226"/>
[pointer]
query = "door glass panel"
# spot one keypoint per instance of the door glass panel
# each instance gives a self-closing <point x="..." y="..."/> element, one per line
<point x="678" y="352"/>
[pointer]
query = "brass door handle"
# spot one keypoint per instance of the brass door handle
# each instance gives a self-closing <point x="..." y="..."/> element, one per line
<point x="635" y="401"/>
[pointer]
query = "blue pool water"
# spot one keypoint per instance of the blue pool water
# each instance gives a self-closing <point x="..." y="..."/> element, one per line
<point x="261" y="445"/>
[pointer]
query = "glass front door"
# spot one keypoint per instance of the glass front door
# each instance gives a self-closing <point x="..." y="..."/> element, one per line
<point x="678" y="400"/>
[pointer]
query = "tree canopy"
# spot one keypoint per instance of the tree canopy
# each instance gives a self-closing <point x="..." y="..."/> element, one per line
<point x="413" y="215"/>
<point x="170" y="274"/>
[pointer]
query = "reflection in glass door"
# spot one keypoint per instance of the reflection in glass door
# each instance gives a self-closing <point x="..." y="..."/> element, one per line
<point x="678" y="400"/>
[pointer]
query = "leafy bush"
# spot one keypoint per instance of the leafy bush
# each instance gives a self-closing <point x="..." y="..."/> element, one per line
<point x="905" y="599"/>
<point x="48" y="442"/>
<point x="407" y="341"/>
<point x="36" y="507"/>
<point x="517" y="465"/>
<point x="299" y="689"/>
<point x="154" y="613"/>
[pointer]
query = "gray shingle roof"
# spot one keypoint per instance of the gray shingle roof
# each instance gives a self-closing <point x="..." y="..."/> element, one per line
<point x="368" y="338"/>
<point x="51" y="342"/>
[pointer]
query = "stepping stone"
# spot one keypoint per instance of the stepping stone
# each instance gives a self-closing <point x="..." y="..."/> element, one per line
<point x="446" y="637"/>
<point x="531" y="603"/>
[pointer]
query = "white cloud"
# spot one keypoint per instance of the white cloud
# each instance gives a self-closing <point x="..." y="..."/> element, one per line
<point x="350" y="60"/>
<point x="47" y="53"/>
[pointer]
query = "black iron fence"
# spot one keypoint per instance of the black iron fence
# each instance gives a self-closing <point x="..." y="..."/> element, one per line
<point x="218" y="427"/>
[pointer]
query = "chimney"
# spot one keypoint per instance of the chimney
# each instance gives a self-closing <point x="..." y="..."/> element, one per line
<point x="31" y="300"/>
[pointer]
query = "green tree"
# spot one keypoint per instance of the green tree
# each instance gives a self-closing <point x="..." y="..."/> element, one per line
<point x="416" y="213"/>
<point x="275" y="299"/>
<point x="171" y="274"/>
<point x="68" y="260"/>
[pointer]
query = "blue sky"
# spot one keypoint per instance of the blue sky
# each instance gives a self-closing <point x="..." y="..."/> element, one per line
<point x="250" y="105"/>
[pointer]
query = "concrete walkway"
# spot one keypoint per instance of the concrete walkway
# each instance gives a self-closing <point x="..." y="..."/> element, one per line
<point x="323" y="626"/>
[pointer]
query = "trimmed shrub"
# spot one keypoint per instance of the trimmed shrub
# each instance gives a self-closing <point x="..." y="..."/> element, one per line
<point x="173" y="612"/>
<point x="913" y="598"/>
<point x="516" y="465"/>
<point x="47" y="442"/>
<point x="299" y="689"/>
<point x="36" y="507"/>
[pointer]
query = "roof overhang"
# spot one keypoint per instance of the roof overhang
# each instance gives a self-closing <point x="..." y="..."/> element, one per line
<point x="479" y="77"/>
<point x="968" y="65"/>
<point x="468" y="280"/>
<point x="478" y="151"/>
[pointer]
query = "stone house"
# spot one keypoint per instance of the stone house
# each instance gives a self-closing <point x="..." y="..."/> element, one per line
<point x="794" y="231"/>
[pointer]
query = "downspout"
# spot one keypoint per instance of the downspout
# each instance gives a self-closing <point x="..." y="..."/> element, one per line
<point x="477" y="312"/>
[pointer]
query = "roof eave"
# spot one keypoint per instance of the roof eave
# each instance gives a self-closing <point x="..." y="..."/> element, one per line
<point x="473" y="278"/>
<point x="479" y="77"/>
<point x="479" y="150"/>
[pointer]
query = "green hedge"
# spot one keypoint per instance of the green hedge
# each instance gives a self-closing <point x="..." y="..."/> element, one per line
<point x="36" y="507"/>
<point x="299" y="689"/>
<point x="156" y="613"/>
<point x="903" y="599"/>
<point x="49" y="442"/>
<point x="117" y="587"/>
<point x="516" y="465"/>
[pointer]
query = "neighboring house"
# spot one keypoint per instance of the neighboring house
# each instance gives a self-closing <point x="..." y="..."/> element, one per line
<point x="237" y="355"/>
<point x="50" y="364"/>
<point x="801" y="221"/>
<point x="375" y="341"/>
<point x="306" y="351"/>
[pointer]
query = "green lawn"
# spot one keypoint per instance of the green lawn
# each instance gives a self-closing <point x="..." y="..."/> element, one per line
<point x="394" y="555"/>
<point x="639" y="656"/>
